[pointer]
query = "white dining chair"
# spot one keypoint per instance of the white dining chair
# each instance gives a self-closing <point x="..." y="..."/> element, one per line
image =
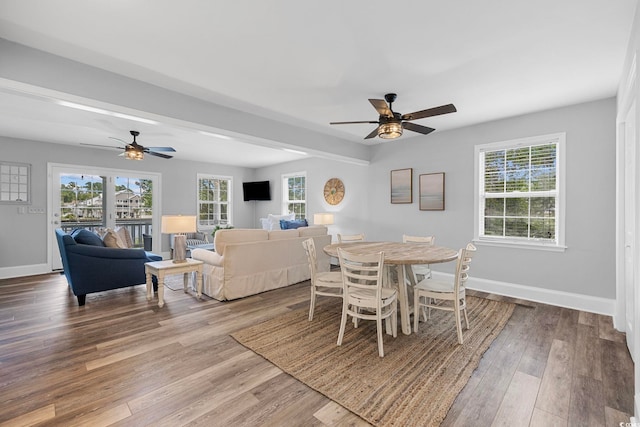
<point x="364" y="297"/>
<point x="350" y="238"/>
<point x="449" y="296"/>
<point x="422" y="271"/>
<point x="324" y="283"/>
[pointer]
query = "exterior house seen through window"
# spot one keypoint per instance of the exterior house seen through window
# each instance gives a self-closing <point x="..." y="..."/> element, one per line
<point x="520" y="192"/>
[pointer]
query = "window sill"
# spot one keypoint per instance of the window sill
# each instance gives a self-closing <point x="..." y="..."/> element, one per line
<point x="520" y="245"/>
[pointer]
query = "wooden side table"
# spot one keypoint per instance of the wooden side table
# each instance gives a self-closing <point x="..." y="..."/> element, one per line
<point x="160" y="269"/>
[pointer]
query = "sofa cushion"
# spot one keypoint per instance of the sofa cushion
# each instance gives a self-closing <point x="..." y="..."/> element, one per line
<point x="265" y="224"/>
<point x="111" y="239"/>
<point x="237" y="235"/>
<point x="86" y="237"/>
<point x="125" y="236"/>
<point x="283" y="234"/>
<point x="274" y="220"/>
<point x="315" y="230"/>
<point x="291" y="225"/>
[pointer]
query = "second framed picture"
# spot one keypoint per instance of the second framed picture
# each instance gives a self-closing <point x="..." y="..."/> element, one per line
<point x="432" y="192"/>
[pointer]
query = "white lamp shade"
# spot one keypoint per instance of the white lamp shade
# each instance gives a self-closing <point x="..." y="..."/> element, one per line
<point x="172" y="224"/>
<point x="323" y="218"/>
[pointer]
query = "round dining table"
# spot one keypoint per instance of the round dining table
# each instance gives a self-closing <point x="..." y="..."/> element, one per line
<point x="399" y="255"/>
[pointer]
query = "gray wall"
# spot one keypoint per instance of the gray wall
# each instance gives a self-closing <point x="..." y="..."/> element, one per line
<point x="586" y="267"/>
<point x="350" y="216"/>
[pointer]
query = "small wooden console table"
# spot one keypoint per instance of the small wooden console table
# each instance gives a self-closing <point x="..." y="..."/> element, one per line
<point x="160" y="269"/>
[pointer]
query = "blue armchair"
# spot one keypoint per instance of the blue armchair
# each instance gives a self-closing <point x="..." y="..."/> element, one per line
<point x="89" y="266"/>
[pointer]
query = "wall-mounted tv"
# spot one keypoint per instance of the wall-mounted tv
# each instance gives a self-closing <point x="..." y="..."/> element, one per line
<point x="258" y="190"/>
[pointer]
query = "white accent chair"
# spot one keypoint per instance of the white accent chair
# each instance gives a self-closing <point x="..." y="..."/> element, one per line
<point x="362" y="289"/>
<point x="350" y="238"/>
<point x="423" y="270"/>
<point x="449" y="296"/>
<point x="324" y="283"/>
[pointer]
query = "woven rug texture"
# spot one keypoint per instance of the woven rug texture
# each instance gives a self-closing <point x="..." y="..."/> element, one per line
<point x="416" y="381"/>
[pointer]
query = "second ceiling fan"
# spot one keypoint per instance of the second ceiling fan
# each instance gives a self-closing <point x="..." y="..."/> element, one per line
<point x="391" y="123"/>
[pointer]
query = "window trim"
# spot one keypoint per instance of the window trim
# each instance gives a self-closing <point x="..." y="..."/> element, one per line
<point x="511" y="242"/>
<point x="200" y="176"/>
<point x="284" y="202"/>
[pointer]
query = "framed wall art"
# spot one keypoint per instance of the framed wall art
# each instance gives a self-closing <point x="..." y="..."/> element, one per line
<point x="431" y="191"/>
<point x="402" y="186"/>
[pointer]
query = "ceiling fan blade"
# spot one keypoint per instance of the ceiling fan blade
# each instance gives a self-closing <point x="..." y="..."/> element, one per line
<point x="373" y="134"/>
<point x="430" y="112"/>
<point x="153" y="153"/>
<point x="102" y="146"/>
<point x="161" y="148"/>
<point x="351" y="123"/>
<point x="118" y="139"/>
<point x="381" y="107"/>
<point x="417" y="128"/>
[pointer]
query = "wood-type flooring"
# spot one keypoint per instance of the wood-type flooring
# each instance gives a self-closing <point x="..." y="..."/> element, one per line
<point x="122" y="361"/>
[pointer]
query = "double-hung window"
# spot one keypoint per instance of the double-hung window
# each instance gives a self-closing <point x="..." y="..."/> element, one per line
<point x="294" y="194"/>
<point x="214" y="201"/>
<point x="520" y="192"/>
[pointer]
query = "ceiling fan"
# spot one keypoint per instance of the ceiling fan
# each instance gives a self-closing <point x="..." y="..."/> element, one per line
<point x="135" y="151"/>
<point x="390" y="123"/>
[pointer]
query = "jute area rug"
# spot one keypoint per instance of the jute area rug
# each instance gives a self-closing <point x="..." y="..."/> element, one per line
<point x="416" y="381"/>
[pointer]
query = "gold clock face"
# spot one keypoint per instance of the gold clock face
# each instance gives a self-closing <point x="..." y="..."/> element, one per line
<point x="334" y="191"/>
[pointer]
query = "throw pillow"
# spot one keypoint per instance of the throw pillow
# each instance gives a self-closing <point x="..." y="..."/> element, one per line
<point x="86" y="237"/>
<point x="111" y="239"/>
<point x="125" y="236"/>
<point x="296" y="223"/>
<point x="274" y="220"/>
<point x="265" y="224"/>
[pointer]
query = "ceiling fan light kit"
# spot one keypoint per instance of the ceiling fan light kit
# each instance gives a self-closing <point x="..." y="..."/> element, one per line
<point x="391" y="124"/>
<point x="130" y="153"/>
<point x="390" y="130"/>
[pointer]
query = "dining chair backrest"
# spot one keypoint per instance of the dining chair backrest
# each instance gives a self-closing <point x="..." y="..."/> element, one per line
<point x="424" y="270"/>
<point x="361" y="271"/>
<point x="418" y="239"/>
<point x="350" y="238"/>
<point x="310" y="249"/>
<point x="465" y="255"/>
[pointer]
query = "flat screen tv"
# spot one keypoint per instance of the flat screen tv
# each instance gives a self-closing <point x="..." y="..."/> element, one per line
<point x="258" y="190"/>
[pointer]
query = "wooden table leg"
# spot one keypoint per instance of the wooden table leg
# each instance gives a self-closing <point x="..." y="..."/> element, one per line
<point x="403" y="300"/>
<point x="199" y="284"/>
<point x="185" y="282"/>
<point x="160" y="289"/>
<point x="149" y="285"/>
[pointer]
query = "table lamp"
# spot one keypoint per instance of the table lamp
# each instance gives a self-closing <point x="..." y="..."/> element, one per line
<point x="178" y="225"/>
<point x="323" y="219"/>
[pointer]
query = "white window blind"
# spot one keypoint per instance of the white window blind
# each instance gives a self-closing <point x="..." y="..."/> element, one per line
<point x="519" y="193"/>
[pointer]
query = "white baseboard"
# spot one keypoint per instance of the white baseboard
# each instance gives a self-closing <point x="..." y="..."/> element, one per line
<point x="547" y="296"/>
<point x="24" y="270"/>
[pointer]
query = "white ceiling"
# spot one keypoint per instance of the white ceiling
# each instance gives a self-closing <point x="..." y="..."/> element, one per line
<point x="310" y="63"/>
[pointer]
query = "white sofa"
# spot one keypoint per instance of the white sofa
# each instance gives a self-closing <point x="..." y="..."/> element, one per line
<point x="249" y="261"/>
